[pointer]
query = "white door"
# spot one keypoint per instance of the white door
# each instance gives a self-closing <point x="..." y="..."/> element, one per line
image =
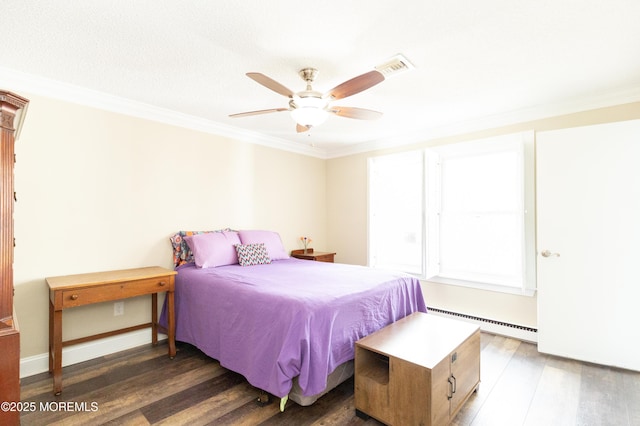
<point x="588" y="222"/>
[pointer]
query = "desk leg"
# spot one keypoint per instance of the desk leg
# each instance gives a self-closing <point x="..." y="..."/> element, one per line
<point x="55" y="351"/>
<point x="171" y="320"/>
<point x="154" y="319"/>
<point x="51" y="310"/>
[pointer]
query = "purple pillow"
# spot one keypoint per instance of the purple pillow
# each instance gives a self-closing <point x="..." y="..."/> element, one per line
<point x="214" y="248"/>
<point x="271" y="240"/>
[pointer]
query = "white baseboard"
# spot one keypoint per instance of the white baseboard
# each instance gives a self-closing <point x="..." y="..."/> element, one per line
<point x="85" y="351"/>
<point x="521" y="333"/>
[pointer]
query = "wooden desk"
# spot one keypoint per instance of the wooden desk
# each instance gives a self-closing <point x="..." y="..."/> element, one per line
<point x="77" y="290"/>
<point x="318" y="256"/>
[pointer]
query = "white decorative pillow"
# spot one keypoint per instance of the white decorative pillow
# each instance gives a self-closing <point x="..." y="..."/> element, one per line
<point x="252" y="254"/>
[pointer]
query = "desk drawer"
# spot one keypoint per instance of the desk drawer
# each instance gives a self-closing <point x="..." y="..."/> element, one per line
<point x="115" y="291"/>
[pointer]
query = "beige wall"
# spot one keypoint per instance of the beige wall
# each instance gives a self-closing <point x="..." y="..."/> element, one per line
<point x="99" y="191"/>
<point x="347" y="217"/>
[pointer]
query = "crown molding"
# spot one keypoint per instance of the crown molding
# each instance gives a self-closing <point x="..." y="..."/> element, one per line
<point x="19" y="81"/>
<point x="579" y="104"/>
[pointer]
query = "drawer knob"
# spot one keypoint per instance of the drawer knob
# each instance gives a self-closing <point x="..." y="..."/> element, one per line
<point x="162" y="283"/>
<point x="74" y="297"/>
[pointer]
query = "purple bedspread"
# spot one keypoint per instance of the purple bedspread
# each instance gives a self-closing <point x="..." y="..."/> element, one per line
<point x="289" y="318"/>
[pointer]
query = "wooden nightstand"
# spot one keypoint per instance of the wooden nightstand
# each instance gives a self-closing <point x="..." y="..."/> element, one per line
<point x="318" y="256"/>
<point x="77" y="290"/>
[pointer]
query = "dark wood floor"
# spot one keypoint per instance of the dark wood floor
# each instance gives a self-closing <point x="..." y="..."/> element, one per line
<point x="143" y="386"/>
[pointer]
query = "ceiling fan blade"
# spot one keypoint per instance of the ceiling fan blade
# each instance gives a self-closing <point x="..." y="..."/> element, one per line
<point x="356" y="85"/>
<point x="359" y="113"/>
<point x="300" y="128"/>
<point x="270" y="83"/>
<point x="262" y="111"/>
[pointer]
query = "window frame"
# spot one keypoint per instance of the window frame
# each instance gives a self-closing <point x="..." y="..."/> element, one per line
<point x="431" y="205"/>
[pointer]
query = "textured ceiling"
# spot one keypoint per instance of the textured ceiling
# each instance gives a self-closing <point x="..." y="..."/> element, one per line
<point x="474" y="61"/>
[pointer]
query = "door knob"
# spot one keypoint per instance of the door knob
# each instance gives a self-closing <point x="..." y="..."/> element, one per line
<point x="547" y="253"/>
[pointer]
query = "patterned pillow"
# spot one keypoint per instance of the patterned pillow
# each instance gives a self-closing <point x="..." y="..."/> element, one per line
<point x="252" y="254"/>
<point x="181" y="252"/>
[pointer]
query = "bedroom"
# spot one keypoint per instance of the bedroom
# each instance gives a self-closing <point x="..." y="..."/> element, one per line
<point x="102" y="185"/>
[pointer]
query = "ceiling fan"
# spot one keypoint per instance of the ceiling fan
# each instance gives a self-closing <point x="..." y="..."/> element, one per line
<point x="310" y="108"/>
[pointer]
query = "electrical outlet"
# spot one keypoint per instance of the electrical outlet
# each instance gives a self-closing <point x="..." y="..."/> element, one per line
<point x="118" y="309"/>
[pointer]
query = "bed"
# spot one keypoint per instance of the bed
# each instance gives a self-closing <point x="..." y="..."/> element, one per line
<point x="289" y="326"/>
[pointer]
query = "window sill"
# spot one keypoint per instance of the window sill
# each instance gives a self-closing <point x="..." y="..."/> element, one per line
<point x="530" y="292"/>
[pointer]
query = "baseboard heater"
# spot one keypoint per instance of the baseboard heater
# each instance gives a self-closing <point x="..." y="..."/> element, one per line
<point x="492" y="326"/>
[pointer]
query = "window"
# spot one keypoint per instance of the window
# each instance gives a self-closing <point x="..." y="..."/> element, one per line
<point x="395" y="212"/>
<point x="459" y="214"/>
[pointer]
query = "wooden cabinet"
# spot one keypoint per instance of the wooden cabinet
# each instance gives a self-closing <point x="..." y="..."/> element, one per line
<point x="12" y="108"/>
<point x="309" y="254"/>
<point x="417" y="371"/>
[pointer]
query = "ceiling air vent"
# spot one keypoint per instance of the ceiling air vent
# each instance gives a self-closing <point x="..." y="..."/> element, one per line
<point x="395" y="65"/>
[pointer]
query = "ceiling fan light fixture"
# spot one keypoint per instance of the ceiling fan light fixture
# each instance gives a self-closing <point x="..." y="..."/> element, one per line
<point x="309" y="111"/>
<point x="310" y="108"/>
